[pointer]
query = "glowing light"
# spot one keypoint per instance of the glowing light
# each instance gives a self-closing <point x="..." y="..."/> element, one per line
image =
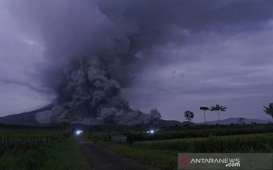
<point x="78" y="132"/>
<point x="151" y="131"/>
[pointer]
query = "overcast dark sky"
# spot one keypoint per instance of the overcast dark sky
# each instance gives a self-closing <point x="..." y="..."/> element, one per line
<point x="191" y="53"/>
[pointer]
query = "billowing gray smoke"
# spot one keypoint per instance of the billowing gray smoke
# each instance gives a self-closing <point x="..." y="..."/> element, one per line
<point x="89" y="95"/>
<point x="124" y="34"/>
<point x="96" y="47"/>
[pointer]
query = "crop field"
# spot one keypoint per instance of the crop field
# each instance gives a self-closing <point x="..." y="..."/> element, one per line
<point x="236" y="143"/>
<point x="39" y="149"/>
<point x="201" y="131"/>
<point x="56" y="149"/>
<point x="162" y="153"/>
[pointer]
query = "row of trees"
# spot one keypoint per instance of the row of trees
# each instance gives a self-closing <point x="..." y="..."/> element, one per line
<point x="189" y="115"/>
<point x="217" y="108"/>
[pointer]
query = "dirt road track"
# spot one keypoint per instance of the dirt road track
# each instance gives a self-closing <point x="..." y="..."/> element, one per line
<point x="101" y="159"/>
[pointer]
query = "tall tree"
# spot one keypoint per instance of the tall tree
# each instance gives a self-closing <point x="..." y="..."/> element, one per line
<point x="204" y="109"/>
<point x="223" y="108"/>
<point x="218" y="108"/>
<point x="189" y="115"/>
<point x="269" y="109"/>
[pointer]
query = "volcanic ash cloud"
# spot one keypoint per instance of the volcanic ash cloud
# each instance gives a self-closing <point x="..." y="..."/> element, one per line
<point x="88" y="95"/>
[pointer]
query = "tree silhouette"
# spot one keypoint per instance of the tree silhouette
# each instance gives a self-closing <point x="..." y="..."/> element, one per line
<point x="218" y="108"/>
<point x="222" y="109"/>
<point x="269" y="109"/>
<point x="204" y="109"/>
<point x="188" y="115"/>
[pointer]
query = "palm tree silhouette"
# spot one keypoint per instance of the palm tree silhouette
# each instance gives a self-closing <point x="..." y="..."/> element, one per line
<point x="222" y="109"/>
<point x="204" y="109"/>
<point x="218" y="108"/>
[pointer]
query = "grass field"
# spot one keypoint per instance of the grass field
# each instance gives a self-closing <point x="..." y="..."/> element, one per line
<point x="39" y="149"/>
<point x="163" y="153"/>
<point x="183" y="132"/>
<point x="202" y="131"/>
<point x="52" y="149"/>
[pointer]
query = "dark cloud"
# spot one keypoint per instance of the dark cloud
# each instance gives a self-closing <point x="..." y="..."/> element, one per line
<point x="118" y="30"/>
<point x="234" y="70"/>
<point x="134" y="37"/>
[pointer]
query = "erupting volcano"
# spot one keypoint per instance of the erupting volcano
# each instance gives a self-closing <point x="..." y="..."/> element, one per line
<point x="89" y="95"/>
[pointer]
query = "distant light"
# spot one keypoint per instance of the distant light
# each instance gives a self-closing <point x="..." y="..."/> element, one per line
<point x="151" y="131"/>
<point x="78" y="132"/>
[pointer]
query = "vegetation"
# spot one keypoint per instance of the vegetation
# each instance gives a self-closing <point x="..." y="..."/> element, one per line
<point x="204" y="109"/>
<point x="189" y="115"/>
<point x="163" y="159"/>
<point x="269" y="109"/>
<point x="39" y="149"/>
<point x="218" y="108"/>
<point x="235" y="143"/>
<point x="183" y="132"/>
<point x="161" y="149"/>
<point x="163" y="153"/>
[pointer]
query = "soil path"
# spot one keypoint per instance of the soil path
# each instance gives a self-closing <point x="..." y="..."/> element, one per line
<point x="101" y="159"/>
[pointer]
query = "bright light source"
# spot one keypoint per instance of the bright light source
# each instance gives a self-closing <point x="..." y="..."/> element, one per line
<point x="151" y="131"/>
<point x="78" y="132"/>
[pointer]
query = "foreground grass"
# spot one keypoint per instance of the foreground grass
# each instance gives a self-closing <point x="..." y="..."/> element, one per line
<point x="163" y="153"/>
<point x="236" y="143"/>
<point x="165" y="160"/>
<point x="36" y="150"/>
<point x="181" y="132"/>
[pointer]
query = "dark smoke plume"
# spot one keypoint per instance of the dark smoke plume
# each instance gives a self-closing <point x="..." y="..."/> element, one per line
<point x="96" y="47"/>
<point x="123" y="34"/>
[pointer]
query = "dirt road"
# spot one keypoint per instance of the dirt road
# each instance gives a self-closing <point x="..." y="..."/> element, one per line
<point x="101" y="159"/>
